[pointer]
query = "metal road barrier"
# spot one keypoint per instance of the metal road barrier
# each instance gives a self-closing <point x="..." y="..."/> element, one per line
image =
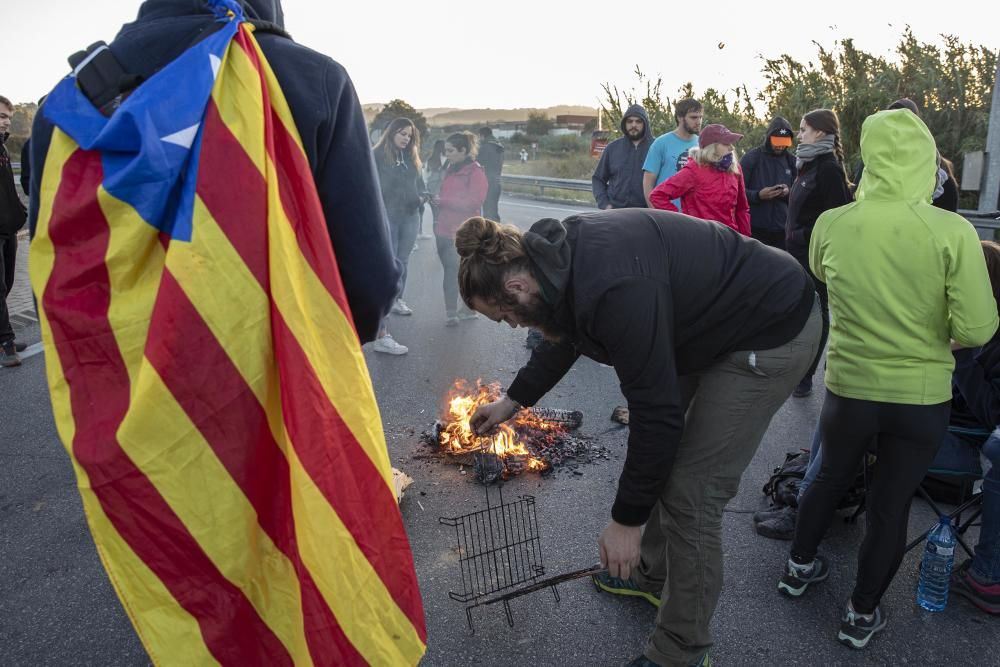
<point x="542" y="182"/>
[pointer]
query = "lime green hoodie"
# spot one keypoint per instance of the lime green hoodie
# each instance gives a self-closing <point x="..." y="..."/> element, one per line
<point x="904" y="277"/>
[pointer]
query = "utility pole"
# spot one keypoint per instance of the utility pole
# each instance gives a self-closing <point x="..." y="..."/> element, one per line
<point x="990" y="193"/>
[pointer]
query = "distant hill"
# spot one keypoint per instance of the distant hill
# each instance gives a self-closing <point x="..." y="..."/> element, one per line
<point x="470" y="116"/>
<point x="451" y="116"/>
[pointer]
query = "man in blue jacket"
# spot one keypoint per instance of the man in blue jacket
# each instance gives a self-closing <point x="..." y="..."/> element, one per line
<point x="768" y="172"/>
<point x="617" y="180"/>
<point x="327" y="115"/>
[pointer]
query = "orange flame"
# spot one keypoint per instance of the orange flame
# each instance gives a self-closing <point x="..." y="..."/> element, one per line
<point x="457" y="436"/>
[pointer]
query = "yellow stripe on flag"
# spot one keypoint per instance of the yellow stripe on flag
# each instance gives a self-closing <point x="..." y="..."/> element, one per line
<point x="164" y="444"/>
<point x="239" y="98"/>
<point x="368" y="614"/>
<point x="326" y="337"/>
<point x="326" y="546"/>
<point x="166" y="630"/>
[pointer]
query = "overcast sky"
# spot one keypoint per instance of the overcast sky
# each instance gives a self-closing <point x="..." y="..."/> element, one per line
<point x="518" y="53"/>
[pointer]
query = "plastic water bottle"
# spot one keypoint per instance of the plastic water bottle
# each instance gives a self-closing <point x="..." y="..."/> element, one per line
<point x="935" y="568"/>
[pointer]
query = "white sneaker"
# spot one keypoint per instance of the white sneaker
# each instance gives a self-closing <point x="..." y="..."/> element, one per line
<point x="426" y="236"/>
<point x="387" y="345"/>
<point x="400" y="308"/>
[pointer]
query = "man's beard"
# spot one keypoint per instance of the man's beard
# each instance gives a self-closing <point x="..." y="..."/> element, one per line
<point x="635" y="134"/>
<point x="692" y="128"/>
<point x="538" y="315"/>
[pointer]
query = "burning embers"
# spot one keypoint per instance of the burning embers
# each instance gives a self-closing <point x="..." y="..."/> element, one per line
<point x="536" y="439"/>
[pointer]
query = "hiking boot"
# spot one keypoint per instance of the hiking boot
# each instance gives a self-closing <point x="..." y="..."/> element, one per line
<point x="769" y="513"/>
<point x="856" y="630"/>
<point x="804" y="388"/>
<point x="780" y="527"/>
<point x="965" y="583"/>
<point x="8" y="355"/>
<point x="798" y="577"/>
<point x="400" y="308"/>
<point x="534" y="339"/>
<point x="605" y="582"/>
<point x="386" y="345"/>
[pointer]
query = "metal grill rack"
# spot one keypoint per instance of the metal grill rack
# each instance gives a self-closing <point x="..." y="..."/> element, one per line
<point x="499" y="550"/>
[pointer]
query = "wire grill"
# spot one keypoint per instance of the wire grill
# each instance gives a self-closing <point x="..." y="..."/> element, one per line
<point x="499" y="548"/>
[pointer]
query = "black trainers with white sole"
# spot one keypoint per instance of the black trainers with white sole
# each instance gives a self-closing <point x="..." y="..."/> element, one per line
<point x="856" y="630"/>
<point x="797" y="577"/>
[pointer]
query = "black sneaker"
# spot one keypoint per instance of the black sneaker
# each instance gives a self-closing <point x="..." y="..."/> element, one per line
<point x="797" y="578"/>
<point x="780" y="526"/>
<point x="605" y="582"/>
<point x="9" y="356"/>
<point x="804" y="388"/>
<point x="984" y="596"/>
<point x="856" y="630"/>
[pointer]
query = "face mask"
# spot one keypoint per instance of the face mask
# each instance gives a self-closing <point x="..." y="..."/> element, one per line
<point x="725" y="162"/>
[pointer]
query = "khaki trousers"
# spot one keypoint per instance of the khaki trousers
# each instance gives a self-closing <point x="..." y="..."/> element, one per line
<point x="730" y="406"/>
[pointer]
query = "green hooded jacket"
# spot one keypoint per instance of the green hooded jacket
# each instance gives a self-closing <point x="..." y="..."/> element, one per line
<point x="904" y="277"/>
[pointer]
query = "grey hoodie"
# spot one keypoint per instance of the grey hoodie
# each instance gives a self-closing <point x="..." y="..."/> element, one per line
<point x="617" y="181"/>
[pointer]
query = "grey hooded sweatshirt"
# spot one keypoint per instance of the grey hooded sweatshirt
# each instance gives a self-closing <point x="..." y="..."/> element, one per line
<point x="617" y="181"/>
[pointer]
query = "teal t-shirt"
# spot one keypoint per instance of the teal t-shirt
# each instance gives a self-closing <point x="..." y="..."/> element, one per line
<point x="667" y="155"/>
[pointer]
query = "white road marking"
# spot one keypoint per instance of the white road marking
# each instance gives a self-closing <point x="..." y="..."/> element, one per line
<point x="32" y="350"/>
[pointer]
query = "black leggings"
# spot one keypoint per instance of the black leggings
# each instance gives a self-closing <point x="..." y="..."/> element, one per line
<point x="449" y="261"/>
<point x="908" y="438"/>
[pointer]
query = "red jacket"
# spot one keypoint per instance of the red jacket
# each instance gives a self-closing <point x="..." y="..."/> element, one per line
<point x="463" y="191"/>
<point x="706" y="193"/>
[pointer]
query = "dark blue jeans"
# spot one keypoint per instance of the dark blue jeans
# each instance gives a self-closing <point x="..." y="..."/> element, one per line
<point x="973" y="455"/>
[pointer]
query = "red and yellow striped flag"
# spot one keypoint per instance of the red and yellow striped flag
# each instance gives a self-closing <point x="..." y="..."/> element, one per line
<point x="212" y="394"/>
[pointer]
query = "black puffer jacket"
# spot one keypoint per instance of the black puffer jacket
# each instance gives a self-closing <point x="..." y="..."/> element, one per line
<point x="329" y="120"/>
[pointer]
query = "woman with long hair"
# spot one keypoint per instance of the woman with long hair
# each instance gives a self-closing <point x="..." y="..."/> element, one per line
<point x="434" y="170"/>
<point x="907" y="282"/>
<point x="397" y="156"/>
<point x="710" y="185"/>
<point x="463" y="191"/>
<point x="821" y="184"/>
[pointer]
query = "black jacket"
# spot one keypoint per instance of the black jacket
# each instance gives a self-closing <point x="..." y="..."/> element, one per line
<point x="12" y="211"/>
<point x="490" y="156"/>
<point x="819" y="187"/>
<point x="763" y="167"/>
<point x="976" y="387"/>
<point x="657" y="295"/>
<point x="328" y="117"/>
<point x="617" y="180"/>
<point x="401" y="184"/>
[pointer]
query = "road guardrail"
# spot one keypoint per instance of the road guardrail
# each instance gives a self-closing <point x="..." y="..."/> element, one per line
<point x="542" y="182"/>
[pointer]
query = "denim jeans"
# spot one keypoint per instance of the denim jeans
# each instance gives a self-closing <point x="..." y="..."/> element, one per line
<point x="815" y="461"/>
<point x="972" y="455"/>
<point x="403" y="233"/>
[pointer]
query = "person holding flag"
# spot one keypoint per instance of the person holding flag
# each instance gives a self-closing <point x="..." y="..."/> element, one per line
<point x="210" y="250"/>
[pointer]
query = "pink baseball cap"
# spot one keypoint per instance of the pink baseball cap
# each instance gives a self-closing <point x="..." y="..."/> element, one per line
<point x="717" y="134"/>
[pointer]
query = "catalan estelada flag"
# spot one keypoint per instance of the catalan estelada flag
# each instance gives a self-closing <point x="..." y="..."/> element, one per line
<point x="206" y="377"/>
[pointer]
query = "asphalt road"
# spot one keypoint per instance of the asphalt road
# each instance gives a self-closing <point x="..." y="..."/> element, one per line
<point x="57" y="608"/>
